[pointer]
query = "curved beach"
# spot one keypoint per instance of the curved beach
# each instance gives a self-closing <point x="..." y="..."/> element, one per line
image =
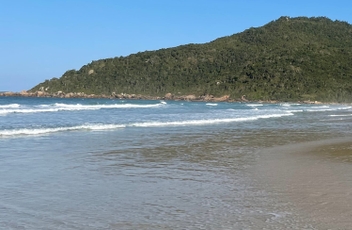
<point x="135" y="164"/>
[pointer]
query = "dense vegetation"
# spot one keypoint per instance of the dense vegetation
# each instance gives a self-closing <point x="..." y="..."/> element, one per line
<point x="287" y="59"/>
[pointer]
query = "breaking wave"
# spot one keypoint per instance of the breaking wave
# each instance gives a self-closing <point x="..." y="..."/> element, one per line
<point x="41" y="131"/>
<point x="9" y="106"/>
<point x="254" y="105"/>
<point x="15" y="108"/>
<point x="208" y="121"/>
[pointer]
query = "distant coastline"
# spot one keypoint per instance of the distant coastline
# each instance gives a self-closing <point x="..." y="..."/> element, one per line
<point x="168" y="96"/>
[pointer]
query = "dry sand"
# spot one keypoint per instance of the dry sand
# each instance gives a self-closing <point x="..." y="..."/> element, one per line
<point x="315" y="177"/>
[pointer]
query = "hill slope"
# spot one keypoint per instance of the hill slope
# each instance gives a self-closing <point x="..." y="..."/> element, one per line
<point x="287" y="59"/>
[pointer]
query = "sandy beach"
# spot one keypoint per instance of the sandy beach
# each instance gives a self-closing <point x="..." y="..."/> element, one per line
<point x="136" y="164"/>
<point x="314" y="178"/>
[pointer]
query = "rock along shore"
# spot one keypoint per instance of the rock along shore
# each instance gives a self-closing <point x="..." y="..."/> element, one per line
<point x="168" y="96"/>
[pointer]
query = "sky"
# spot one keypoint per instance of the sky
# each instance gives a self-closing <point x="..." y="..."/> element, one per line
<point x="41" y="39"/>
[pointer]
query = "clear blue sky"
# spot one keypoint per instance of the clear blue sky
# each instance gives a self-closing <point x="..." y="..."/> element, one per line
<point x="41" y="39"/>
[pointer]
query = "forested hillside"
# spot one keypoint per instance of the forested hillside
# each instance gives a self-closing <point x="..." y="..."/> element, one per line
<point x="288" y="59"/>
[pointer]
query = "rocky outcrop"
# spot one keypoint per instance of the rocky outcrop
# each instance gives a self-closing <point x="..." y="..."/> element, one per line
<point x="191" y="98"/>
<point x="24" y="93"/>
<point x="168" y="96"/>
<point x="61" y="94"/>
<point x="243" y="98"/>
<point x="312" y="102"/>
<point x="223" y="98"/>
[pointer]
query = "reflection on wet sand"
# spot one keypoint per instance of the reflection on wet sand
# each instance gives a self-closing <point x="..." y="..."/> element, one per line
<point x="315" y="177"/>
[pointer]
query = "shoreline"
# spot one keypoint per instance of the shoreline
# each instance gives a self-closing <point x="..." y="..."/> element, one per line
<point x="313" y="177"/>
<point x="168" y="96"/>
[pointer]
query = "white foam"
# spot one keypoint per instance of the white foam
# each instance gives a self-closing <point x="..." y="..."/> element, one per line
<point x="211" y="104"/>
<point x="295" y="111"/>
<point x="319" y="110"/>
<point x="105" y="106"/>
<point x="40" y="131"/>
<point x="321" y="107"/>
<point x="344" y="108"/>
<point x="254" y="105"/>
<point x="289" y="104"/>
<point x="205" y="121"/>
<point x="285" y="105"/>
<point x="327" y="108"/>
<point x="73" y="107"/>
<point x="7" y="111"/>
<point x="9" y="106"/>
<point x="345" y="115"/>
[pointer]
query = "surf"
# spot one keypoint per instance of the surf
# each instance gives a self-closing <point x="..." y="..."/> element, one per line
<point x="41" y="131"/>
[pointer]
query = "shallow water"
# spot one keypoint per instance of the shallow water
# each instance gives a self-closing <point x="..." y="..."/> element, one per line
<point x="106" y="164"/>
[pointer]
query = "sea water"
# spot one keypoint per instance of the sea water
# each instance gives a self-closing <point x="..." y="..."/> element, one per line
<point x="139" y="164"/>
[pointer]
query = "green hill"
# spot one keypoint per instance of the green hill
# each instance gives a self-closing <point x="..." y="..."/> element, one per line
<point x="287" y="59"/>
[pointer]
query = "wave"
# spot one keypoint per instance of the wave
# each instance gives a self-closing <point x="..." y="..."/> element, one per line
<point x="254" y="105"/>
<point x="345" y="115"/>
<point x="320" y="107"/>
<point x="7" y="111"/>
<point x="41" y="131"/>
<point x="289" y="104"/>
<point x="111" y="106"/>
<point x="345" y="108"/>
<point x="72" y="107"/>
<point x="326" y="109"/>
<point x="10" y="106"/>
<point x="295" y="111"/>
<point x="211" y="104"/>
<point x="320" y="110"/>
<point x="206" y="121"/>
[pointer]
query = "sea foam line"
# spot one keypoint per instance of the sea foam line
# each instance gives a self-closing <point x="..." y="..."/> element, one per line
<point x="289" y="104"/>
<point x="336" y="115"/>
<point x="111" y="106"/>
<point x="41" y="131"/>
<point x="71" y="107"/>
<point x="254" y="105"/>
<point x="7" y="111"/>
<point x="205" y="121"/>
<point x="10" y="106"/>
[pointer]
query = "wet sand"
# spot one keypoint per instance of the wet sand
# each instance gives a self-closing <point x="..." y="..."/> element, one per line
<point x="314" y="177"/>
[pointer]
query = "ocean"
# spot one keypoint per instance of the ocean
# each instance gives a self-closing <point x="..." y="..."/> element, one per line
<point x="139" y="164"/>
